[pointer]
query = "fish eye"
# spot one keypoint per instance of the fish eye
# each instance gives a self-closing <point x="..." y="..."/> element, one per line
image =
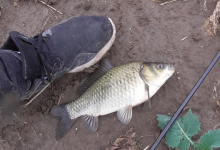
<point x="160" y="66"/>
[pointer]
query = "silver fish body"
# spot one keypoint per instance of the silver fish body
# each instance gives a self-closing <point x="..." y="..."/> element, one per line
<point x="119" y="87"/>
<point x="115" y="89"/>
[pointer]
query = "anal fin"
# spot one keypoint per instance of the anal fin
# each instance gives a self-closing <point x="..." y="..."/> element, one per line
<point x="91" y="122"/>
<point x="125" y="114"/>
<point x="104" y="67"/>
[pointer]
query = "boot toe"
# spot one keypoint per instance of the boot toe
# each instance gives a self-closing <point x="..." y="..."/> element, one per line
<point x="82" y="41"/>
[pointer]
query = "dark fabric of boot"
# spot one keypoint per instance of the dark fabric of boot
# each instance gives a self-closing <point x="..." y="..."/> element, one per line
<point x="27" y="65"/>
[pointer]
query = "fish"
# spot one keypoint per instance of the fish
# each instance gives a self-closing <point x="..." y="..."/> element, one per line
<point x="111" y="89"/>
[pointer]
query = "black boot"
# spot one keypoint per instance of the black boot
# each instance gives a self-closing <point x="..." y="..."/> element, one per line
<point x="29" y="65"/>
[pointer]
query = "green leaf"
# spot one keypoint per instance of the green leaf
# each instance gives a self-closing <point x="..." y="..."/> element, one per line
<point x="179" y="135"/>
<point x="194" y="146"/>
<point x="174" y="135"/>
<point x="190" y="124"/>
<point x="163" y="120"/>
<point x="210" y="140"/>
<point x="184" y="144"/>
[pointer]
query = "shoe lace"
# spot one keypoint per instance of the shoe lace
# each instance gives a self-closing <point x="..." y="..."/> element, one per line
<point x="38" y="47"/>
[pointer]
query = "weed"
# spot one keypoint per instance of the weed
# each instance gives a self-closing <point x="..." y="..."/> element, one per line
<point x="179" y="135"/>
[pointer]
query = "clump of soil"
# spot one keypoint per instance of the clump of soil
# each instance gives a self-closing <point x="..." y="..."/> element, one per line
<point x="125" y="142"/>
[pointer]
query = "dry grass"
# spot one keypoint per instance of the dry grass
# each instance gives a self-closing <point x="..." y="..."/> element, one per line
<point x="125" y="142"/>
<point x="158" y="1"/>
<point x="212" y="23"/>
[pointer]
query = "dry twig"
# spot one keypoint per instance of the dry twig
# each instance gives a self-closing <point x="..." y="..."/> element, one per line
<point x="204" y="6"/>
<point x="45" y="23"/>
<point x="36" y="95"/>
<point x="60" y="97"/>
<point x="54" y="14"/>
<point x="184" y="38"/>
<point x="188" y="107"/>
<point x="167" y="2"/>
<point x="147" y="147"/>
<point x="214" y="94"/>
<point x="25" y="123"/>
<point x="217" y="102"/>
<point x="216" y="125"/>
<point x="49" y="6"/>
<point x="158" y="1"/>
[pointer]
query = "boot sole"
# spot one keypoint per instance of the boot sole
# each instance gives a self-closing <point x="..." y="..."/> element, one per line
<point x="100" y="54"/>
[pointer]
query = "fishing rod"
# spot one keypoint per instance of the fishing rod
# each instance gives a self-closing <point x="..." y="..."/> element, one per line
<point x="192" y="92"/>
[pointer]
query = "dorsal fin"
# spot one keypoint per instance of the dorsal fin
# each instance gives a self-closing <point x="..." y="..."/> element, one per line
<point x="104" y="67"/>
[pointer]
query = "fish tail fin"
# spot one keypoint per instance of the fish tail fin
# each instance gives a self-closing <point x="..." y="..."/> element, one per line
<point x="64" y="122"/>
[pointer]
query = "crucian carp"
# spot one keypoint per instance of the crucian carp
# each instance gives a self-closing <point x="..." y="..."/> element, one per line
<point x="112" y="89"/>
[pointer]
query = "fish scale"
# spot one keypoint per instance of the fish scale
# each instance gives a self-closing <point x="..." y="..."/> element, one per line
<point x="119" y="87"/>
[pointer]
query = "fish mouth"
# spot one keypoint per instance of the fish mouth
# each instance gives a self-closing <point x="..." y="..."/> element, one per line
<point x="171" y="69"/>
<point x="171" y="66"/>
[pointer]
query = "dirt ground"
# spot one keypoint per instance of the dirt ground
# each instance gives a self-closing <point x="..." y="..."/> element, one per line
<point x="146" y="31"/>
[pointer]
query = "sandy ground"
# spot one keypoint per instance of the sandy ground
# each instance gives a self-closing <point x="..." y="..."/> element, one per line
<point x="146" y="31"/>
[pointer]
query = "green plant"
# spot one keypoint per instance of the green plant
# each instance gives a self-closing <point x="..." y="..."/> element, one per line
<point x="179" y="135"/>
<point x="139" y="145"/>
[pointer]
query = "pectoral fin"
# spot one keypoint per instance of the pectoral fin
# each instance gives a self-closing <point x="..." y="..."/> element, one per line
<point x="148" y="91"/>
<point x="125" y="114"/>
<point x="90" y="122"/>
<point x="148" y="95"/>
<point x="104" y="67"/>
